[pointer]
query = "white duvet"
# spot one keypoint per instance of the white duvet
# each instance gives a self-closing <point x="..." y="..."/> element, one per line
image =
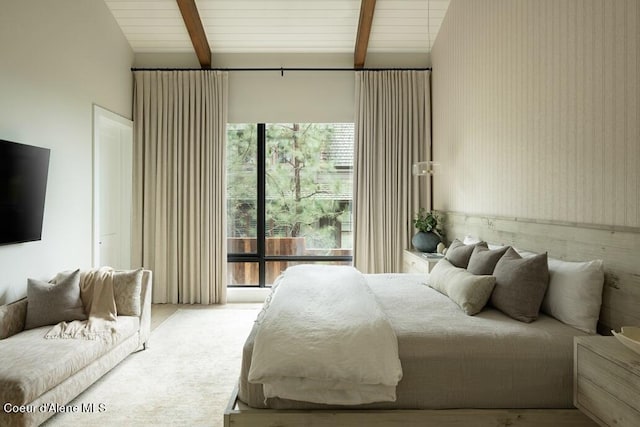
<point x="323" y="338"/>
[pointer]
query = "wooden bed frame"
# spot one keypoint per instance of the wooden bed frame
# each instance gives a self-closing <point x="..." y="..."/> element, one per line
<point x="238" y="414"/>
<point x="618" y="247"/>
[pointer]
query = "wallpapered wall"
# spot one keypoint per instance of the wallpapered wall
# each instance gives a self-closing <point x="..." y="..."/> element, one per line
<point x="536" y="110"/>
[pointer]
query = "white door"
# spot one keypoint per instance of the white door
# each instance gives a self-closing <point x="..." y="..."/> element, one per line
<point x="113" y="181"/>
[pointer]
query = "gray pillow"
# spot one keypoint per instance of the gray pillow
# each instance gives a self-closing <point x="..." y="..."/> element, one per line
<point x="49" y="303"/>
<point x="483" y="260"/>
<point x="458" y="253"/>
<point x="469" y="291"/>
<point x="127" y="286"/>
<point x="520" y="285"/>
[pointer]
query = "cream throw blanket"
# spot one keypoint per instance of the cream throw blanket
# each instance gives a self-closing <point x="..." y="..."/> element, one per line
<point x="96" y="291"/>
<point x="323" y="338"/>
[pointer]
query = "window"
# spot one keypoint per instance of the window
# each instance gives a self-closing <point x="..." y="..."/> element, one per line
<point x="289" y="198"/>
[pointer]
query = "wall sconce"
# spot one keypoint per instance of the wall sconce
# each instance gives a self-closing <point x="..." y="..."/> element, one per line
<point x="423" y="168"/>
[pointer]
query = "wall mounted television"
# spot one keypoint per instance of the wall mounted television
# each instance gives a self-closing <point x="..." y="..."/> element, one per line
<point x="23" y="185"/>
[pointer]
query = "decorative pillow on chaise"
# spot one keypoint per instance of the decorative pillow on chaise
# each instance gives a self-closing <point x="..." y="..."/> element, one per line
<point x="127" y="286"/>
<point x="575" y="293"/>
<point x="458" y="253"/>
<point x="483" y="260"/>
<point x="520" y="285"/>
<point x="471" y="292"/>
<point x="50" y="303"/>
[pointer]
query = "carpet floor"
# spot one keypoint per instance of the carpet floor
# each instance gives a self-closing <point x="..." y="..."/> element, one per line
<point x="184" y="378"/>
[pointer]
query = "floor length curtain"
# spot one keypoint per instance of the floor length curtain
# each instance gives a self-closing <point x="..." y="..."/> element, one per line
<point x="179" y="228"/>
<point x="392" y="131"/>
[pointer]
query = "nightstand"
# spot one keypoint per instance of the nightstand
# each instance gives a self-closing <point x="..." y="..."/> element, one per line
<point x="606" y="381"/>
<point x="417" y="262"/>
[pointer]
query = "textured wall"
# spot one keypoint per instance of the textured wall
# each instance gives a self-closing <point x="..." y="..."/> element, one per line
<point x="536" y="110"/>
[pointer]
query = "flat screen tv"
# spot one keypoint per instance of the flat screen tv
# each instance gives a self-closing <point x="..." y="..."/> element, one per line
<point x="23" y="185"/>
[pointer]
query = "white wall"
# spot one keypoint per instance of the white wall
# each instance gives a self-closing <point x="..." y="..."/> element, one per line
<point x="57" y="58"/>
<point x="536" y="110"/>
<point x="297" y="96"/>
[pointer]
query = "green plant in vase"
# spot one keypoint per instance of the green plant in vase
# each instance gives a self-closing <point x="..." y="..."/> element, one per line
<point x="430" y="226"/>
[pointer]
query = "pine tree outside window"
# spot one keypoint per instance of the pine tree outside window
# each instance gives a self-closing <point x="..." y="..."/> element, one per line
<point x="289" y="198"/>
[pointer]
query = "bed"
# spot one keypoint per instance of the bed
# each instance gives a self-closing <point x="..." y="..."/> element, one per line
<point x="486" y="369"/>
<point x="452" y="360"/>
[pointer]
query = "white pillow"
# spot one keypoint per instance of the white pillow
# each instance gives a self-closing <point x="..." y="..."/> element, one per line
<point x="525" y="254"/>
<point x="471" y="292"/>
<point x="470" y="240"/>
<point x="574" y="294"/>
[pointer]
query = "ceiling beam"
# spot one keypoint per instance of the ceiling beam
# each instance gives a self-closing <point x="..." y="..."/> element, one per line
<point x="192" y="21"/>
<point x="367" y="7"/>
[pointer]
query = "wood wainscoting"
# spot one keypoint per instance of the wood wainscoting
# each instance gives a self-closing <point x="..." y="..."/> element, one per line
<point x="618" y="247"/>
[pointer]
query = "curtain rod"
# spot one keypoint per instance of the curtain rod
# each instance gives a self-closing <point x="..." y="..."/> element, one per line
<point x="282" y="69"/>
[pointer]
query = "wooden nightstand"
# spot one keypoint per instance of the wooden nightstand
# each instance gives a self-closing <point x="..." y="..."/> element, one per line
<point x="606" y="378"/>
<point x="417" y="262"/>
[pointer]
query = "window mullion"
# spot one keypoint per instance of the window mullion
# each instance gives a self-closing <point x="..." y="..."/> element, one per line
<point x="261" y="208"/>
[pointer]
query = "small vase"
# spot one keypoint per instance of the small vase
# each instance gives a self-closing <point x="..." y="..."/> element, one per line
<point x="425" y="241"/>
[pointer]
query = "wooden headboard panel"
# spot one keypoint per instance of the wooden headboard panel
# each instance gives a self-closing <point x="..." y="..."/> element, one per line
<point x="618" y="247"/>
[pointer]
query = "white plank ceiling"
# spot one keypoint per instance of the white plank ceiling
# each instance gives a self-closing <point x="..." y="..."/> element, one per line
<point x="248" y="26"/>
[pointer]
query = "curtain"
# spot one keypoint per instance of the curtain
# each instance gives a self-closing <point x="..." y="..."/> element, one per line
<point x="392" y="131"/>
<point x="179" y="205"/>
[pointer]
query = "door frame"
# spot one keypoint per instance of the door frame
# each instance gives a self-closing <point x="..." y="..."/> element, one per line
<point x="101" y="115"/>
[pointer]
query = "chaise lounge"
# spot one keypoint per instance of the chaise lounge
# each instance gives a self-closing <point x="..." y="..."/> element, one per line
<point x="39" y="376"/>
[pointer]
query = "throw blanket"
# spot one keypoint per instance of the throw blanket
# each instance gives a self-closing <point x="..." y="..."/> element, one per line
<point x="323" y="338"/>
<point x="96" y="291"/>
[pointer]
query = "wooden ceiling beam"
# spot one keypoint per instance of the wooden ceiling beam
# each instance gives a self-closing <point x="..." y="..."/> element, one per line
<point x="192" y="21"/>
<point x="367" y="7"/>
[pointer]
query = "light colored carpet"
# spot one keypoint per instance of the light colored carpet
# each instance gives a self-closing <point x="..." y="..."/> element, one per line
<point x="185" y="377"/>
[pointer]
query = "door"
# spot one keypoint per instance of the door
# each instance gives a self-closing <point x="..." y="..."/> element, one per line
<point x="113" y="181"/>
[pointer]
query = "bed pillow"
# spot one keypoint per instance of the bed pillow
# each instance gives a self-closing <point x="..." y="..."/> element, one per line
<point x="520" y="285"/>
<point x="483" y="260"/>
<point x="458" y="253"/>
<point x="469" y="291"/>
<point x="470" y="240"/>
<point x="524" y="253"/>
<point x="574" y="295"/>
<point x="49" y="303"/>
<point x="127" y="286"/>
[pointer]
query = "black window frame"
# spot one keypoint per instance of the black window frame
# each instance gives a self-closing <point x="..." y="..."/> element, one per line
<point x="260" y="256"/>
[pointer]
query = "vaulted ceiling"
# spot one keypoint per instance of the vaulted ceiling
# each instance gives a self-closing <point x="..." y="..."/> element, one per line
<point x="207" y="27"/>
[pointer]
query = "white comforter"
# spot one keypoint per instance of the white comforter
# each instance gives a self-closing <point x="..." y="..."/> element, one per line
<point x="323" y="338"/>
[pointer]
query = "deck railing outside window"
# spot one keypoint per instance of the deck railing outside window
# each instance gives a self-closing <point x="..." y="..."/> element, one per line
<point x="289" y="198"/>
